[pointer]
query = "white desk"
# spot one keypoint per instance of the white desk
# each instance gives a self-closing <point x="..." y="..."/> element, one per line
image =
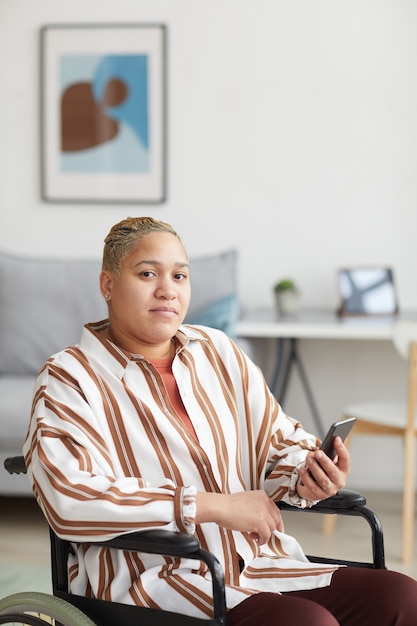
<point x="317" y="324"/>
<point x="310" y="324"/>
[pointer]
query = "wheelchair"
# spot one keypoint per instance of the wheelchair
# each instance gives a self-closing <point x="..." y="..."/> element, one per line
<point x="66" y="609"/>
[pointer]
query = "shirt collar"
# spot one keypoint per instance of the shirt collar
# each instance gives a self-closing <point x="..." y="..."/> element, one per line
<point x="92" y="342"/>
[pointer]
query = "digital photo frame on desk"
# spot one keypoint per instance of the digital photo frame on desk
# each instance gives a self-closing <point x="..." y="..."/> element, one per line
<point x="367" y="291"/>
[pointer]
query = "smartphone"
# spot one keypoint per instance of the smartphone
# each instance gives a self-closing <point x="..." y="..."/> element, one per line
<point x="341" y="429"/>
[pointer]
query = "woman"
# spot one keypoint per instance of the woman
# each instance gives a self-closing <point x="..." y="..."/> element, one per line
<point x="150" y="423"/>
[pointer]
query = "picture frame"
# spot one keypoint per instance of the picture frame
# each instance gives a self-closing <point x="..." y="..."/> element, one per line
<point x="103" y="113"/>
<point x="367" y="291"/>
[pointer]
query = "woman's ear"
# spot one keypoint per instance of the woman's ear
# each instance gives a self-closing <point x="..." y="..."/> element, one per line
<point x="106" y="280"/>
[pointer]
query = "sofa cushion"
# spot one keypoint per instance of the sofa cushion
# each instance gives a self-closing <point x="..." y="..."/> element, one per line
<point x="214" y="291"/>
<point x="15" y="401"/>
<point x="221" y="314"/>
<point x="44" y="304"/>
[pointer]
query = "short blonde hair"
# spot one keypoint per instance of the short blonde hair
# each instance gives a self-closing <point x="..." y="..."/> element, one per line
<point x="123" y="236"/>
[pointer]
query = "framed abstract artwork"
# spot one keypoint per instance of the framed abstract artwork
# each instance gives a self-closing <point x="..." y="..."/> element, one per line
<point x="103" y="113"/>
<point x="367" y="291"/>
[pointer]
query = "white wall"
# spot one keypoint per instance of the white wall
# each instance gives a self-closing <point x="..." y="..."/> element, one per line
<point x="292" y="136"/>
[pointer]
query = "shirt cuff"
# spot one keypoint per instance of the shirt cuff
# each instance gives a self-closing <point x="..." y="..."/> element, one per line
<point x="185" y="509"/>
<point x="293" y="497"/>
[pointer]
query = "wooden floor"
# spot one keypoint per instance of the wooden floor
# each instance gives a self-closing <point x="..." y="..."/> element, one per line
<point x="24" y="533"/>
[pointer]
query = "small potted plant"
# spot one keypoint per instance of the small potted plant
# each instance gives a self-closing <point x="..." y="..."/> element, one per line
<point x="287" y="297"/>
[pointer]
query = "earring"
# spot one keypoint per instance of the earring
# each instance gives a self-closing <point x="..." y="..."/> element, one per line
<point x="107" y="296"/>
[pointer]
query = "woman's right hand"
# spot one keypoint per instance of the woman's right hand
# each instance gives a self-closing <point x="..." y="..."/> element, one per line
<point x="251" y="512"/>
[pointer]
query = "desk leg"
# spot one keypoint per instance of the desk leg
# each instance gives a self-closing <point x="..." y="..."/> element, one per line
<point x="283" y="366"/>
<point x="278" y="391"/>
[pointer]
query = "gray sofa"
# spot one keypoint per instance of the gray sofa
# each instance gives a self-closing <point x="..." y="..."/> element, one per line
<point x="44" y="304"/>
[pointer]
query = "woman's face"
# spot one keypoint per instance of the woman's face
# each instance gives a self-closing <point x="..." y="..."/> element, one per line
<point x="149" y="298"/>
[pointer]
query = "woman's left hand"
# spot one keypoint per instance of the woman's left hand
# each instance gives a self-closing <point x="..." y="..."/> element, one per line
<point x="327" y="476"/>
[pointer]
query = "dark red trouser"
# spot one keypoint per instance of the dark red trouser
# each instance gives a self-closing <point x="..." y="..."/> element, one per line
<point x="355" y="597"/>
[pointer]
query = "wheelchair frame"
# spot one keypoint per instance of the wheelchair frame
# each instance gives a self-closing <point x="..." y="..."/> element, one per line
<point x="68" y="609"/>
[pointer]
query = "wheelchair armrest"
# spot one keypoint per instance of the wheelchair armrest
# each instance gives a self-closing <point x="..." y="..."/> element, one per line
<point x="343" y="500"/>
<point x="169" y="543"/>
<point x="349" y="502"/>
<point x="15" y="465"/>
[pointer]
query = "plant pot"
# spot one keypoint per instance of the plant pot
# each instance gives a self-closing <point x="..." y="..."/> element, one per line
<point x="287" y="302"/>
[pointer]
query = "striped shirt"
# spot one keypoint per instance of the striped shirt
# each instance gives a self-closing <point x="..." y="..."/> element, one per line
<point x="108" y="454"/>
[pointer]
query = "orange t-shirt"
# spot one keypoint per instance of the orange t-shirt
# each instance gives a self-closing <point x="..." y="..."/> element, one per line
<point x="164" y="367"/>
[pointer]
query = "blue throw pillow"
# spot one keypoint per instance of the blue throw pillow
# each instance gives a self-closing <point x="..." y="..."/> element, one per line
<point x="221" y="314"/>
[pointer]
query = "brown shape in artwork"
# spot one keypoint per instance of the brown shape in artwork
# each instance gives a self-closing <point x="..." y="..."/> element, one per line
<point x="83" y="124"/>
<point x="115" y="92"/>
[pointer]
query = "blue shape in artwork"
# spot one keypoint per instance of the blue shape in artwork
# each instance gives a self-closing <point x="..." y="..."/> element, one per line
<point x="77" y="68"/>
<point x="133" y="71"/>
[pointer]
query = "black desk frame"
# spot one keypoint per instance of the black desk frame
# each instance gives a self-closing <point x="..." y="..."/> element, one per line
<point x="288" y="357"/>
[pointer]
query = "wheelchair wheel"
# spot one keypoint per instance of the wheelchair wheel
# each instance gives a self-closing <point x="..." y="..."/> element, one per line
<point x="37" y="609"/>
